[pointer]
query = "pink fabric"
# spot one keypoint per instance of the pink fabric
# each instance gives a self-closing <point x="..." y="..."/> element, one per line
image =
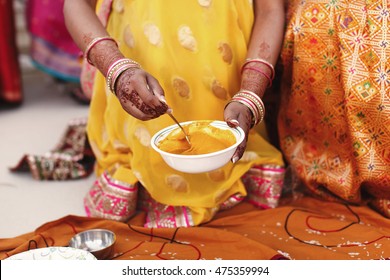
<point x="45" y="20"/>
<point x="111" y="199"/>
<point x="52" y="47"/>
<point x="10" y="78"/>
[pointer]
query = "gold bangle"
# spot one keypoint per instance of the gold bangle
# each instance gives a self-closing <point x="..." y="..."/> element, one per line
<point x="258" y="101"/>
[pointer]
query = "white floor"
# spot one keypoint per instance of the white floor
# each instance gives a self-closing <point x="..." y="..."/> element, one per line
<point x="35" y="128"/>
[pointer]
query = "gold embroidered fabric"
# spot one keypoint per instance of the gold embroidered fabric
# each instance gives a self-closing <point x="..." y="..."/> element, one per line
<point x="334" y="120"/>
<point x="195" y="49"/>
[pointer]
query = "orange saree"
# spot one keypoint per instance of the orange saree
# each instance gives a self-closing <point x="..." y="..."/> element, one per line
<point x="335" y="112"/>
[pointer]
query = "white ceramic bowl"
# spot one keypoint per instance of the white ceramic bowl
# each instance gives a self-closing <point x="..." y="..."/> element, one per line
<point x="198" y="163"/>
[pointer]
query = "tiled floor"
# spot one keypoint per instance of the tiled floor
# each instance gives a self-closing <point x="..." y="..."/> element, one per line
<point x="35" y="128"/>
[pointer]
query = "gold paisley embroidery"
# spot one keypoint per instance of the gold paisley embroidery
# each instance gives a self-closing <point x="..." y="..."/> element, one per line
<point x="186" y="38"/>
<point x="143" y="135"/>
<point x="119" y="146"/>
<point x="128" y="37"/>
<point x="249" y="156"/>
<point x="217" y="175"/>
<point x="218" y="90"/>
<point x="181" y="87"/>
<point x="226" y="52"/>
<point x="204" y="3"/>
<point x="118" y="6"/>
<point x="153" y="34"/>
<point x="177" y="183"/>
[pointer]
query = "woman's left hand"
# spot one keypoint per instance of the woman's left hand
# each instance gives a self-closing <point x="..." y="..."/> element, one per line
<point x="237" y="114"/>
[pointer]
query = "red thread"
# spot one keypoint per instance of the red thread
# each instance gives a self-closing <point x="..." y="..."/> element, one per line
<point x="259" y="71"/>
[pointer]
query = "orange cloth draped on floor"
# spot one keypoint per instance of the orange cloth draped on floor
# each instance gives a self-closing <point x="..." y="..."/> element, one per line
<point x="301" y="229"/>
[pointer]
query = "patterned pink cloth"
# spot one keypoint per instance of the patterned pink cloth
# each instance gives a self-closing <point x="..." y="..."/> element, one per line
<point x="52" y="48"/>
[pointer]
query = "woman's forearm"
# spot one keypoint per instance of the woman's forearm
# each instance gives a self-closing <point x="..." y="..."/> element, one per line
<point x="84" y="26"/>
<point x="266" y="41"/>
<point x="268" y="30"/>
<point x="82" y="22"/>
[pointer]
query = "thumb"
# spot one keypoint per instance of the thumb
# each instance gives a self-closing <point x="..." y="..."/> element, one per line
<point x="231" y="115"/>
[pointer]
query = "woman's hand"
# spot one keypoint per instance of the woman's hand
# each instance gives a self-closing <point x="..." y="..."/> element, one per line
<point x="237" y="114"/>
<point x="140" y="94"/>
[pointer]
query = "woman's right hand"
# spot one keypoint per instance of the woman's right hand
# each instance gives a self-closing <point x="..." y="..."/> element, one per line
<point x="140" y="94"/>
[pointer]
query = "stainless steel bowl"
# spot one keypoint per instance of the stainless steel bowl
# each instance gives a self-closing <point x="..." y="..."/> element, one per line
<point x="100" y="242"/>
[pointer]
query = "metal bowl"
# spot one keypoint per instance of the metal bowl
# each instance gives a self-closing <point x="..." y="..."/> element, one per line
<point x="99" y="242"/>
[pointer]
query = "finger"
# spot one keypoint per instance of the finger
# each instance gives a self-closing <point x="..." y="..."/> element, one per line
<point x="156" y="88"/>
<point x="132" y="100"/>
<point x="239" y="152"/>
<point x="158" y="91"/>
<point x="231" y="114"/>
<point x="239" y="113"/>
<point x="146" y="94"/>
<point x="242" y="119"/>
<point x="132" y="109"/>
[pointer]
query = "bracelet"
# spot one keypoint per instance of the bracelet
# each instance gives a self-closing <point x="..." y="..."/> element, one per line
<point x="251" y="105"/>
<point x="259" y="105"/>
<point x="116" y="75"/>
<point x="259" y="71"/>
<point x="117" y="68"/>
<point x="253" y="102"/>
<point x="254" y="95"/>
<point x="120" y="61"/>
<point x="247" y="104"/>
<point x="262" y="61"/>
<point x="93" y="43"/>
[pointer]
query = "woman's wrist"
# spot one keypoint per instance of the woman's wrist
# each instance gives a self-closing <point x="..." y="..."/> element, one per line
<point x="104" y="54"/>
<point x="257" y="75"/>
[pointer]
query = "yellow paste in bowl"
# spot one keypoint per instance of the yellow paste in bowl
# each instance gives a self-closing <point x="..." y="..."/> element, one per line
<point x="204" y="139"/>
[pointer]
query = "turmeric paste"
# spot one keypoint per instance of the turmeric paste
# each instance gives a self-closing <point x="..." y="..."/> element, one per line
<point x="204" y="137"/>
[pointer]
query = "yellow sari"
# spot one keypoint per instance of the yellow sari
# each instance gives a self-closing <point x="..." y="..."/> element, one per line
<point x="195" y="49"/>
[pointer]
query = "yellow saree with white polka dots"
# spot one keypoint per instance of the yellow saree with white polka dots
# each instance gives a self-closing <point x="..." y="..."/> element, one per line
<point x="195" y="49"/>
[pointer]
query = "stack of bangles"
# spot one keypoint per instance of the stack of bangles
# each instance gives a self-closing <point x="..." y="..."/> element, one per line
<point x="270" y="78"/>
<point x="253" y="102"/>
<point x="117" y="68"/>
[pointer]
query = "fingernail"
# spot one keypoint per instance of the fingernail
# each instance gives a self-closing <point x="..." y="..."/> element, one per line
<point x="234" y="159"/>
<point x="169" y="111"/>
<point x="234" y="122"/>
<point x="162" y="99"/>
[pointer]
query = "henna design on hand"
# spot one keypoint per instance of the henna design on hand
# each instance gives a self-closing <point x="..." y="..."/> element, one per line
<point x="104" y="54"/>
<point x="137" y="102"/>
<point x="127" y="95"/>
<point x="123" y="81"/>
<point x="161" y="110"/>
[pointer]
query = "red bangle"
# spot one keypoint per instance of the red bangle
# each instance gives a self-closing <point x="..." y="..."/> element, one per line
<point x="262" y="61"/>
<point x="259" y="71"/>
